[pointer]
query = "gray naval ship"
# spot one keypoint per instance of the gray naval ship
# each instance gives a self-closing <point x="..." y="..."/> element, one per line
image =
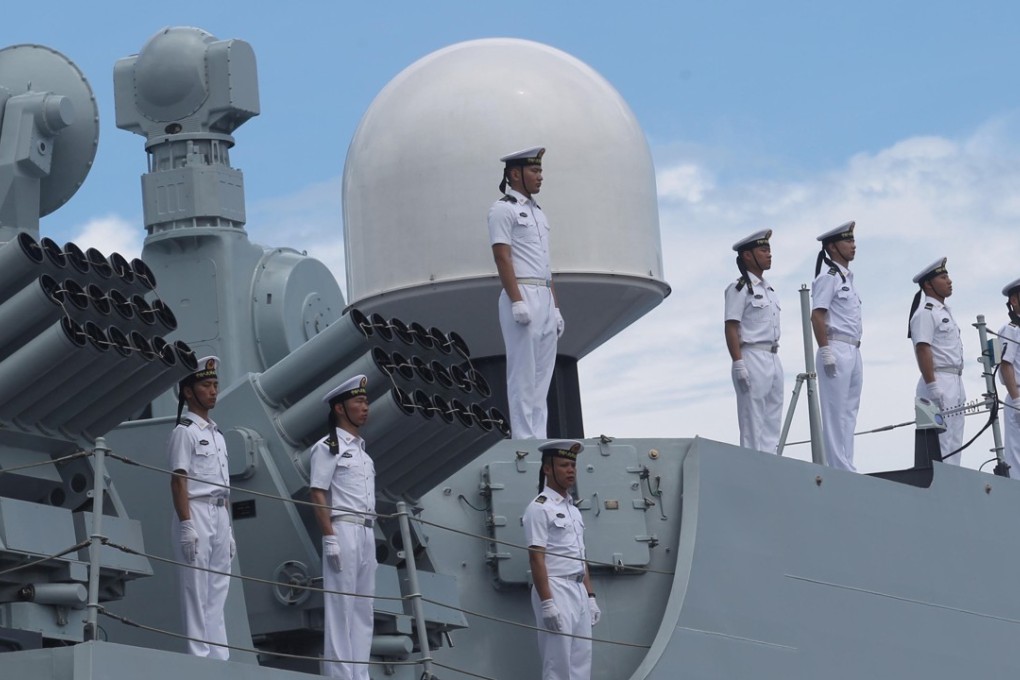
<point x="710" y="561"/>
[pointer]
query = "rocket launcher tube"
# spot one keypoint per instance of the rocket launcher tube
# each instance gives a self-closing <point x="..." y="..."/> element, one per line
<point x="172" y="372"/>
<point x="392" y="449"/>
<point x="125" y="376"/>
<point x="28" y="313"/>
<point x="99" y="365"/>
<point x="327" y="353"/>
<point x="42" y="398"/>
<point x="21" y="261"/>
<point x="39" y="362"/>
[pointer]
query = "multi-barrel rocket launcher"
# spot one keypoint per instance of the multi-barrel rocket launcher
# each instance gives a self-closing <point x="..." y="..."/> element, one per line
<point x="84" y="345"/>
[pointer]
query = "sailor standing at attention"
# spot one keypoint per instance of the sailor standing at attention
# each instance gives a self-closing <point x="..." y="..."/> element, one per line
<point x="201" y="522"/>
<point x="939" y="350"/>
<point x="342" y="487"/>
<point x="1009" y="336"/>
<point x="836" y="321"/>
<point x="528" y="315"/>
<point x="752" y="338"/>
<point x="561" y="596"/>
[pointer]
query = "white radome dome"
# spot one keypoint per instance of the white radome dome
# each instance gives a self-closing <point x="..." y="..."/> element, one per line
<point x="423" y="169"/>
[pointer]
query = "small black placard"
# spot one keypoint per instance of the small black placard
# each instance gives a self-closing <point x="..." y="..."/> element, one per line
<point x="243" y="509"/>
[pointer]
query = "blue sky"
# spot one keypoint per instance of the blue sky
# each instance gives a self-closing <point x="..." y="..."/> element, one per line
<point x="793" y="115"/>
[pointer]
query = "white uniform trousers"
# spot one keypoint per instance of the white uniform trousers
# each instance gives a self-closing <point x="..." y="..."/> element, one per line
<point x="204" y="594"/>
<point x="953" y="395"/>
<point x="349" y="620"/>
<point x="760" y="409"/>
<point x="1011" y="433"/>
<point x="840" y="398"/>
<point x="563" y="657"/>
<point x="530" y="360"/>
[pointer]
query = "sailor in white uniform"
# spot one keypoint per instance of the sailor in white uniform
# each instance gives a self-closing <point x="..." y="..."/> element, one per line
<point x="528" y="314"/>
<point x="752" y="338"/>
<point x="836" y="321"/>
<point x="939" y="350"/>
<point x="201" y="522"/>
<point x="1009" y="336"/>
<point x="342" y="485"/>
<point x="561" y="596"/>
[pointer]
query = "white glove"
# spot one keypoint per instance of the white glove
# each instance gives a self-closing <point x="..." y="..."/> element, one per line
<point x="551" y="617"/>
<point x="233" y="544"/>
<point x="937" y="397"/>
<point x="560" y="324"/>
<point x="741" y="375"/>
<point x="331" y="550"/>
<point x="189" y="540"/>
<point x="596" y="613"/>
<point x="828" y="360"/>
<point x="520" y="312"/>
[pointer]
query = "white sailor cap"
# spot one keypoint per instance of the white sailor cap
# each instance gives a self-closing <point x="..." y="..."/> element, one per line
<point x="843" y="232"/>
<point x="207" y="367"/>
<point x="352" y="387"/>
<point x="931" y="271"/>
<point x="758" y="238"/>
<point x="1010" y="287"/>
<point x="562" y="448"/>
<point x="532" y="156"/>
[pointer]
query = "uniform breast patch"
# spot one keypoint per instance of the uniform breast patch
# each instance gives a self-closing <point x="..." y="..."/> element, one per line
<point x="203" y="442"/>
<point x="541" y="499"/>
<point x="560" y="515"/>
<point x="946" y="320"/>
<point x="524" y="214"/>
<point x="347" y="454"/>
<point x="845" y="288"/>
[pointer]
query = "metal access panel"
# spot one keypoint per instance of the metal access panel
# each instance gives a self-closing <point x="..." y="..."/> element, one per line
<point x="609" y="497"/>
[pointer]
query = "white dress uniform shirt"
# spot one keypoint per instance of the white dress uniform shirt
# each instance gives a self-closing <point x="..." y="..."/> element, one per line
<point x="760" y="409"/>
<point x="531" y="348"/>
<point x="933" y="324"/>
<point x="1009" y="336"/>
<point x="197" y="447"/>
<point x="349" y="479"/>
<point x="840" y="394"/>
<point x="551" y="521"/>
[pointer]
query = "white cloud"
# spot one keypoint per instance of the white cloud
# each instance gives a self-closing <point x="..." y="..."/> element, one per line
<point x="919" y="199"/>
<point x="109" y="234"/>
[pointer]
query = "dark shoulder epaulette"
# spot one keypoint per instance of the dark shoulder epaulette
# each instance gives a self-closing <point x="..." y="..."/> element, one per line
<point x="537" y="205"/>
<point x="541" y="499"/>
<point x="928" y="305"/>
<point x="1014" y="324"/>
<point x="740" y="283"/>
<point x="509" y="199"/>
<point x="330" y="442"/>
<point x="187" y="421"/>
<point x="833" y="271"/>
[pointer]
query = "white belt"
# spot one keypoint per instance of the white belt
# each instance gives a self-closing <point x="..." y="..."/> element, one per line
<point x="354" y="519"/>
<point x="546" y="283"/>
<point x="218" y="501"/>
<point x="949" y="369"/>
<point x="579" y="578"/>
<point x="761" y="346"/>
<point x="848" y="339"/>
